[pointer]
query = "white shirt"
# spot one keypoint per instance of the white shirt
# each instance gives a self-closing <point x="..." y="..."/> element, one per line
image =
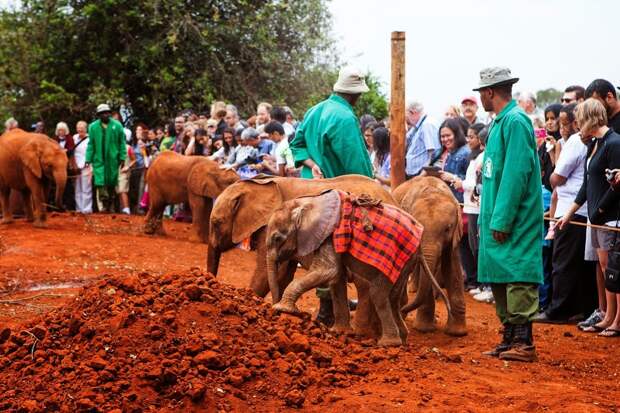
<point x="570" y="165"/>
<point x="469" y="207"/>
<point x="80" y="150"/>
<point x="288" y="129"/>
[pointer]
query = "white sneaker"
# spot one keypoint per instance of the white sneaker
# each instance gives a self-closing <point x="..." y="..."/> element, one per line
<point x="485" y="296"/>
<point x="475" y="291"/>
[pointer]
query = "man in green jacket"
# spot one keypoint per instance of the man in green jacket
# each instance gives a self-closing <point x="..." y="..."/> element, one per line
<point x="329" y="143"/>
<point x="106" y="152"/>
<point x="511" y="216"/>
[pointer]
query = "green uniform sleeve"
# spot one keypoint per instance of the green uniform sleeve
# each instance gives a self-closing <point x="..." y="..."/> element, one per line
<point x="89" y="148"/>
<point x="348" y="145"/>
<point x="519" y="162"/>
<point x="298" y="146"/>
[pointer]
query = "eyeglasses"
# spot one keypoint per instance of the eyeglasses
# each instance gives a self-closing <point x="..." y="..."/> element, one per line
<point x="567" y="100"/>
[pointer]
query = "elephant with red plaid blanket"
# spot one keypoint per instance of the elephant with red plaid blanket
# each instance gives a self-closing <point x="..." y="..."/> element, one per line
<point x="335" y="234"/>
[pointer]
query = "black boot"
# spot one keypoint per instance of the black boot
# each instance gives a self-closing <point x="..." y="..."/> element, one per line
<point x="507" y="337"/>
<point x="326" y="312"/>
<point x="522" y="346"/>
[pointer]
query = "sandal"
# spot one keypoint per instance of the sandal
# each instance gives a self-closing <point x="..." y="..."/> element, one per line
<point x="610" y="332"/>
<point x="593" y="329"/>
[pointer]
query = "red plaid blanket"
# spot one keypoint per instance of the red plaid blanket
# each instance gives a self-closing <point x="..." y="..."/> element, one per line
<point x="382" y="236"/>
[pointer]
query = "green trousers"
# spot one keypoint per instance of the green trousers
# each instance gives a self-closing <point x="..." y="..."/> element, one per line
<point x="105" y="198"/>
<point x="515" y="303"/>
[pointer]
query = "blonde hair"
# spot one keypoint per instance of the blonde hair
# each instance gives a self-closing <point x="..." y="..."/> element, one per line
<point x="590" y="115"/>
<point x="81" y="123"/>
<point x="265" y="105"/>
<point x="218" y="109"/>
<point x="62" y="125"/>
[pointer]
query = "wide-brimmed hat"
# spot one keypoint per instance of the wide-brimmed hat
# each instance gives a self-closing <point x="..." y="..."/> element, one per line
<point x="495" y="76"/>
<point x="351" y="81"/>
<point x="103" y="108"/>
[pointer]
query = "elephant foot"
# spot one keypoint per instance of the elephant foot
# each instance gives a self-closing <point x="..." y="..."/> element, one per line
<point x="39" y="224"/>
<point x="424" y="326"/>
<point x="346" y="329"/>
<point x="7" y="221"/>
<point x="387" y="341"/>
<point x="456" y="330"/>
<point x="365" y="330"/>
<point x="286" y="308"/>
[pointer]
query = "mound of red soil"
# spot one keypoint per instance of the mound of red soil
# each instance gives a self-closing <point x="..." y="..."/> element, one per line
<point x="180" y="342"/>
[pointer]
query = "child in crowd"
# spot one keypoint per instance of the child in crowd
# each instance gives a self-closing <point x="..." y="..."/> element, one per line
<point x="282" y="164"/>
<point x="122" y="188"/>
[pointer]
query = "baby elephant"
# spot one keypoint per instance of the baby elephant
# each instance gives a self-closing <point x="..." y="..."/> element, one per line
<point x="334" y="234"/>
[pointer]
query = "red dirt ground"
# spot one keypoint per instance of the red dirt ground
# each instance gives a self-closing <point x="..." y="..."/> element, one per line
<point x="577" y="372"/>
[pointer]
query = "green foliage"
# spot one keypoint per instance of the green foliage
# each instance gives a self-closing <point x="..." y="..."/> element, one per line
<point x="374" y="101"/>
<point x="60" y="58"/>
<point x="546" y="97"/>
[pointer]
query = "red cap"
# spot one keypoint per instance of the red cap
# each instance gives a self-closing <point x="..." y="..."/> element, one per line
<point x="469" y="99"/>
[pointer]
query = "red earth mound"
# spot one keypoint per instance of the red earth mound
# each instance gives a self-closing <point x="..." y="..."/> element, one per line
<point x="179" y="342"/>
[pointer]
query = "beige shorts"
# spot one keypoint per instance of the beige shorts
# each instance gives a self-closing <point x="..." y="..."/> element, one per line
<point x="123" y="183"/>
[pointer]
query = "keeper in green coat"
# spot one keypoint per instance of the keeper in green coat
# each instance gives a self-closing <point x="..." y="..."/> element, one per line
<point x="329" y="143"/>
<point x="106" y="152"/>
<point x="511" y="216"/>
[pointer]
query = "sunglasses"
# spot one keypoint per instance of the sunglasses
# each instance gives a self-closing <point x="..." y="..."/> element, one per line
<point x="566" y="100"/>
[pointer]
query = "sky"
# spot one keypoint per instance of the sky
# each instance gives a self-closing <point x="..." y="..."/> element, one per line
<point x="546" y="43"/>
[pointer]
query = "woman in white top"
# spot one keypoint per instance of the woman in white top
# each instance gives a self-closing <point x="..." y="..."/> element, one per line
<point x="83" y="183"/>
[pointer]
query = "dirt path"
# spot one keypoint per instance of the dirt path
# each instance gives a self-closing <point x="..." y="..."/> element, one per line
<point x="577" y="372"/>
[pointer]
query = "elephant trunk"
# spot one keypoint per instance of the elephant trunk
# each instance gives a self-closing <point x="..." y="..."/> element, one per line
<point x="60" y="178"/>
<point x="272" y="275"/>
<point x="213" y="259"/>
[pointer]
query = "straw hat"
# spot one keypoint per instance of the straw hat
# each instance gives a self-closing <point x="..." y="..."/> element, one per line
<point x="350" y="81"/>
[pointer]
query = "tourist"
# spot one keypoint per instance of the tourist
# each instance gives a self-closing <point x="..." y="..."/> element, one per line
<point x="380" y="158"/>
<point x="603" y="205"/>
<point x="10" y="124"/>
<point x="510" y="219"/>
<point x="122" y="188"/>
<point x="279" y="114"/>
<point x="167" y="142"/>
<point x="106" y="153"/>
<point x="572" y="278"/>
<point x="527" y="102"/>
<point x="573" y="94"/>
<point x="421" y="139"/>
<point x="604" y="92"/>
<point x="263" y="115"/>
<point x="179" y="135"/>
<point x="218" y="115"/>
<point x="469" y="109"/>
<point x="83" y="182"/>
<point x="283" y="164"/>
<point x="229" y="146"/>
<point x="65" y="140"/>
<point x="452" y="112"/>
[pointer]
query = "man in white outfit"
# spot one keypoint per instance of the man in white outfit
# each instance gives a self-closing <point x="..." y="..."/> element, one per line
<point x="83" y="183"/>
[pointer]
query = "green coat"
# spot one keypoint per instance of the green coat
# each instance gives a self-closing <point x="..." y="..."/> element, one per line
<point x="330" y="135"/>
<point x="106" y="154"/>
<point x="511" y="202"/>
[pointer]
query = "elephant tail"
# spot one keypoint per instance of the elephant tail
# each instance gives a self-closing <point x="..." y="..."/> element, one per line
<point x="419" y="298"/>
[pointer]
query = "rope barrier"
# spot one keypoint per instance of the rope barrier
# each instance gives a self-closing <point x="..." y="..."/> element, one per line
<point x="581" y="224"/>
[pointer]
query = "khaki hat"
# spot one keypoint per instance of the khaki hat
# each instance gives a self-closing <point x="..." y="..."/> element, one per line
<point x="103" y="108"/>
<point x="495" y="76"/>
<point x="351" y="81"/>
<point x="211" y="122"/>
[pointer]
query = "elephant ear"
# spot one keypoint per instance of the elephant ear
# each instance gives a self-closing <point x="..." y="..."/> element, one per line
<point x="252" y="208"/>
<point x="207" y="179"/>
<point x="315" y="219"/>
<point x="29" y="155"/>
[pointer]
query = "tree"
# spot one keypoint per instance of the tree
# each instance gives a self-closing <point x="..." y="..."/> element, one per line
<point x="548" y="96"/>
<point x="60" y="58"/>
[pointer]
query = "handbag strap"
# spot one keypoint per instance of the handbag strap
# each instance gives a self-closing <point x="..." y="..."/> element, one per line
<point x="613" y="244"/>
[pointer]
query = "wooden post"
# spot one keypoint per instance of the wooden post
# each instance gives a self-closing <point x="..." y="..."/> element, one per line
<point x="397" y="110"/>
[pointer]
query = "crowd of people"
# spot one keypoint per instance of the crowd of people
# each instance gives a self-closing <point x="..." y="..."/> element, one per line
<point x="578" y="153"/>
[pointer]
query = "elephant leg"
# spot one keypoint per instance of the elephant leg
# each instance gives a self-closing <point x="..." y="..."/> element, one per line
<point x="286" y="273"/>
<point x="380" y="289"/>
<point x="38" y="202"/>
<point x="398" y="297"/>
<point x="366" y="322"/>
<point x="154" y="216"/>
<point x="340" y="302"/>
<point x="201" y="212"/>
<point x="425" y="314"/>
<point x="7" y="214"/>
<point x="27" y="199"/>
<point x="455" y="287"/>
<point x="259" y="282"/>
